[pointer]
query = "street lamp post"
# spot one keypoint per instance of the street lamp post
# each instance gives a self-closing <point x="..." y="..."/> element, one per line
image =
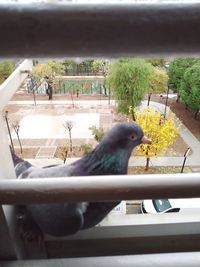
<point x="185" y="157"/>
<point x="166" y="102"/>
<point x="8" y="127"/>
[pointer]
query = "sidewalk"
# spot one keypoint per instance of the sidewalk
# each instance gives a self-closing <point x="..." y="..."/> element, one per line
<point x="62" y="102"/>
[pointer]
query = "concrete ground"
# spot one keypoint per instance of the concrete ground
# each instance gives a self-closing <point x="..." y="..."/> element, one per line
<point x="99" y="114"/>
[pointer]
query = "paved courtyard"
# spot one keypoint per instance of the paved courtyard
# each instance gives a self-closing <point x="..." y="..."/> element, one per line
<point x="39" y="126"/>
<point x="43" y="125"/>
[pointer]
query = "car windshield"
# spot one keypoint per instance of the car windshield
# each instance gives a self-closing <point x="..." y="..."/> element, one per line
<point x="161" y="204"/>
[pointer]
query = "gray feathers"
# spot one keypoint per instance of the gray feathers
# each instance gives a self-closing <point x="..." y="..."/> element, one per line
<point x="109" y="157"/>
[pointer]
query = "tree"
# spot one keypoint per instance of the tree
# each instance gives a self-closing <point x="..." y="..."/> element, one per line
<point x="158" y="82"/>
<point x="69" y="66"/>
<point x="177" y="69"/>
<point x="68" y="125"/>
<point x="101" y="66"/>
<point x="130" y="79"/>
<point x="16" y="127"/>
<point x="156" y="62"/>
<point x="162" y="132"/>
<point x="190" y="88"/>
<point x="86" y="66"/>
<point x="98" y="133"/>
<point x="86" y="148"/>
<point x="42" y="70"/>
<point x="96" y="66"/>
<point x="48" y="71"/>
<point x="57" y="68"/>
<point x="6" y="68"/>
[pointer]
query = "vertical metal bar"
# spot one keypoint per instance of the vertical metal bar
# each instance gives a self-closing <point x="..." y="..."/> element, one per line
<point x="8" y="127"/>
<point x="9" y="236"/>
<point x="6" y="163"/>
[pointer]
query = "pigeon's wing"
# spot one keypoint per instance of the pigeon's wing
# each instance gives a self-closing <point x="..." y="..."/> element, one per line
<point x="96" y="212"/>
<point x="56" y="219"/>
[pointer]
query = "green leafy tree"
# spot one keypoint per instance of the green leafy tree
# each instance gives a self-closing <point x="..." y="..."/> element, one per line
<point x="57" y="68"/>
<point x="156" y="62"/>
<point x="158" y="82"/>
<point x="42" y="70"/>
<point x="96" y="66"/>
<point x="86" y="148"/>
<point x="101" y="66"/>
<point x="190" y="88"/>
<point x="86" y="66"/>
<point x="177" y="68"/>
<point x="6" y="68"/>
<point x="69" y="66"/>
<point x="48" y="71"/>
<point x="98" y="133"/>
<point x="130" y="79"/>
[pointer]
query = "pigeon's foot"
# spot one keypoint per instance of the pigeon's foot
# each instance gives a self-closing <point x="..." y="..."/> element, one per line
<point x="28" y="229"/>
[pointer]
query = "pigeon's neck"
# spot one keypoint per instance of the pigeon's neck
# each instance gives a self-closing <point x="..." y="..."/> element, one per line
<point x="102" y="161"/>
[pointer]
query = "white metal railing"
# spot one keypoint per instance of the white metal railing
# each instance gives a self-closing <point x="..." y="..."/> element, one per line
<point x="99" y="188"/>
<point x="7" y="89"/>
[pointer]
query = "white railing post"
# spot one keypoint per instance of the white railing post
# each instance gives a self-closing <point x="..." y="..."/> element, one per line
<point x="7" y="215"/>
<point x="7" y="89"/>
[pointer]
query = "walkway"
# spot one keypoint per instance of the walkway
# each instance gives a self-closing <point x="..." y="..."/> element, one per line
<point x="62" y="102"/>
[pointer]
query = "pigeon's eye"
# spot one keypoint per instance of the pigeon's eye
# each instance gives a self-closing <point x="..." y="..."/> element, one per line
<point x="132" y="137"/>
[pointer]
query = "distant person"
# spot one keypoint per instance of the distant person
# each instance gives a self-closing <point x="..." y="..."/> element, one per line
<point x="49" y="90"/>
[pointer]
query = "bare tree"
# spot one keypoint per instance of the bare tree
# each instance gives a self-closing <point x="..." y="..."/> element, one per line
<point x="68" y="125"/>
<point x="16" y="127"/>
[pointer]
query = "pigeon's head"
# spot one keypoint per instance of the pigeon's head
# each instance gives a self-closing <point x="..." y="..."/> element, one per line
<point x="125" y="136"/>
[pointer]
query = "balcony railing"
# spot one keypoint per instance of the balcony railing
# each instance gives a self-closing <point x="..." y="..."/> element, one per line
<point x="99" y="188"/>
<point x="124" y="29"/>
<point x="90" y="29"/>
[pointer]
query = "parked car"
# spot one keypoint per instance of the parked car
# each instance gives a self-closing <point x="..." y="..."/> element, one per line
<point x="157" y="206"/>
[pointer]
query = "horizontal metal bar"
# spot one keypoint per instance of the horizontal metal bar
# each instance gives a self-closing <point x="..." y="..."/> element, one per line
<point x="111" y="30"/>
<point x="191" y="259"/>
<point x="99" y="188"/>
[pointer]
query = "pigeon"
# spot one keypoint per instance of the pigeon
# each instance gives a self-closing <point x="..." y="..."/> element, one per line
<point x="109" y="157"/>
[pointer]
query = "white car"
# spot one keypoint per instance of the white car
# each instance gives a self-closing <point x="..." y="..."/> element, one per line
<point x="156" y="206"/>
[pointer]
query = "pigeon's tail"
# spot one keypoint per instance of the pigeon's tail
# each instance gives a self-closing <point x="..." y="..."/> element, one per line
<point x="15" y="158"/>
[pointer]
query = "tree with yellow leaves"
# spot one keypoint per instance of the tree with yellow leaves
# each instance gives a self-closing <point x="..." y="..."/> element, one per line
<point x="162" y="131"/>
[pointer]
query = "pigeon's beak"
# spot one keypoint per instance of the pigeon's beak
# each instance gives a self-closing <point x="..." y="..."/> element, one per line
<point x="145" y="140"/>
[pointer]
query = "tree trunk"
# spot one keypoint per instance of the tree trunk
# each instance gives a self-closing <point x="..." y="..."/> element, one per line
<point x="65" y="156"/>
<point x="147" y="164"/>
<point x="50" y="92"/>
<point x="20" y="144"/>
<point x="71" y="94"/>
<point x="133" y="115"/>
<point x="148" y="158"/>
<point x="178" y="97"/>
<point x="105" y="91"/>
<point x="196" y="113"/>
<point x="70" y="141"/>
<point x="109" y="95"/>
<point x="149" y="99"/>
